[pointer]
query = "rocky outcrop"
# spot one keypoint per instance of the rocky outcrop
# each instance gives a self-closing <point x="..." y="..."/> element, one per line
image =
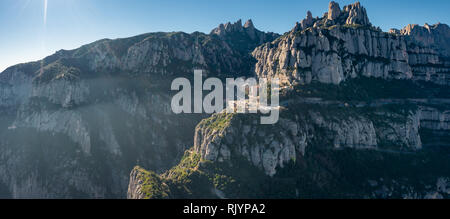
<point x="342" y="45"/>
<point x="318" y="125"/>
<point x="353" y="132"/>
<point x="242" y="38"/>
<point x="305" y="23"/>
<point x="352" y="14"/>
<point x="333" y="55"/>
<point x="334" y="11"/>
<point x="267" y="153"/>
<point x="356" y="14"/>
<point x="146" y="185"/>
<point x="428" y="51"/>
<point x="308" y="21"/>
<point x="135" y="186"/>
<point x="435" y="36"/>
<point x="271" y="148"/>
<point x="224" y="31"/>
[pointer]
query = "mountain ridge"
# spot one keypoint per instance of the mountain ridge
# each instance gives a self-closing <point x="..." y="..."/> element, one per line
<point x="341" y="130"/>
<point x="344" y="44"/>
<point x="76" y="123"/>
<point x="101" y="109"/>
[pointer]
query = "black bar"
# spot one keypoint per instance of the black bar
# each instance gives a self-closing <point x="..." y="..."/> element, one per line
<point x="228" y="208"/>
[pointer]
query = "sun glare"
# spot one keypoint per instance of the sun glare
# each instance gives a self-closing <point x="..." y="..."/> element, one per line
<point x="45" y="11"/>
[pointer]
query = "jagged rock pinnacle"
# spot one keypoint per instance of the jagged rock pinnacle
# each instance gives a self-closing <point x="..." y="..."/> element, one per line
<point x="249" y="24"/>
<point x="356" y="14"/>
<point x="333" y="10"/>
<point x="308" y="21"/>
<point x="250" y="29"/>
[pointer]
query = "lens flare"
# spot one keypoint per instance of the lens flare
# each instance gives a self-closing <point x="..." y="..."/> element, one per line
<point x="45" y="11"/>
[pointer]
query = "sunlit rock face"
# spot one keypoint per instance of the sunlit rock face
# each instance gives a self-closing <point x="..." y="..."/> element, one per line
<point x="428" y="50"/>
<point x="272" y="148"/>
<point x="435" y="36"/>
<point x="333" y="10"/>
<point x="356" y="14"/>
<point x="343" y="44"/>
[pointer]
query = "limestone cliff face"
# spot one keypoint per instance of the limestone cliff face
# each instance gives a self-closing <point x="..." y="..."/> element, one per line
<point x="434" y="119"/>
<point x="136" y="184"/>
<point x="343" y="44"/>
<point x="15" y="84"/>
<point x="434" y="36"/>
<point x="428" y="50"/>
<point x="271" y="147"/>
<point x="89" y="148"/>
<point x="221" y="52"/>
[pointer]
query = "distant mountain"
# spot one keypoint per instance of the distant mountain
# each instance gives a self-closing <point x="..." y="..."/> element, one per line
<point x="365" y="114"/>
<point x="435" y="36"/>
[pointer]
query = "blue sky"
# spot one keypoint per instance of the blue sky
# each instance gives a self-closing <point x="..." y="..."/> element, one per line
<point x="25" y="36"/>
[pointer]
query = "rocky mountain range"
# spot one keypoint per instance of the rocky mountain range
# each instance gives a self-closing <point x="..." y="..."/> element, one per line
<point x="75" y="123"/>
<point x="344" y="44"/>
<point x="364" y="113"/>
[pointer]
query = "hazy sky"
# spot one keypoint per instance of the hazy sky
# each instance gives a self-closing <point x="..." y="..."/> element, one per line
<point x="27" y="34"/>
